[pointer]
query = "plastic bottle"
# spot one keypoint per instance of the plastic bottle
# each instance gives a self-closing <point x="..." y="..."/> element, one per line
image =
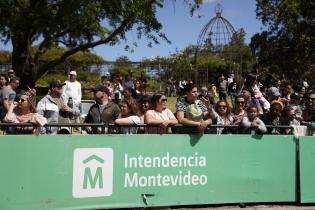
<point x="70" y="102"/>
<point x="70" y="105"/>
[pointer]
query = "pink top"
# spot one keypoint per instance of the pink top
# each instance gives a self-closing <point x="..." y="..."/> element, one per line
<point x="166" y="114"/>
<point x="31" y="117"/>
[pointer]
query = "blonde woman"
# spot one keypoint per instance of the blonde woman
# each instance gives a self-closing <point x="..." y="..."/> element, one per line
<point x="24" y="111"/>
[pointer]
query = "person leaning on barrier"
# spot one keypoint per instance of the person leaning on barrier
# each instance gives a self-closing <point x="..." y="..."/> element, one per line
<point x="193" y="112"/>
<point x="251" y="124"/>
<point x="159" y="115"/>
<point x="104" y="111"/>
<point x="128" y="116"/>
<point x="289" y="118"/>
<point x="239" y="111"/>
<point x="54" y="107"/>
<point x="24" y="111"/>
<point x="294" y="103"/>
<point x="273" y="116"/>
<point x="222" y="115"/>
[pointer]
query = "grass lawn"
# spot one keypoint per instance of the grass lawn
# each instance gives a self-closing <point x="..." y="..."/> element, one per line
<point x="171" y="102"/>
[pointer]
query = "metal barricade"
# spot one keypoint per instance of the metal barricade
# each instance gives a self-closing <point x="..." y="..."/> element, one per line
<point x="102" y="128"/>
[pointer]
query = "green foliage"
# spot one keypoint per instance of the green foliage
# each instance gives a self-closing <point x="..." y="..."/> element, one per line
<point x="5" y="57"/>
<point x="80" y="61"/>
<point x="239" y="52"/>
<point x="236" y="56"/>
<point x="45" y="80"/>
<point x="80" y="58"/>
<point x="287" y="45"/>
<point x="123" y="67"/>
<point x="87" y="79"/>
<point x="76" y="24"/>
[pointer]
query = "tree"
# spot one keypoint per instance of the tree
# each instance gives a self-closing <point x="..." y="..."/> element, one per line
<point x="237" y="51"/>
<point x="76" y="24"/>
<point x="123" y="67"/>
<point x="287" y="45"/>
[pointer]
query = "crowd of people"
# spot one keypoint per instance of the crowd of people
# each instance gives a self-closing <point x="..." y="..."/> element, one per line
<point x="125" y="103"/>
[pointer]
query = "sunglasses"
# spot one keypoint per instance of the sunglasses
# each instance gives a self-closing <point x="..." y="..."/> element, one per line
<point x="240" y="102"/>
<point x="164" y="100"/>
<point x="22" y="100"/>
<point x="312" y="99"/>
<point x="221" y="106"/>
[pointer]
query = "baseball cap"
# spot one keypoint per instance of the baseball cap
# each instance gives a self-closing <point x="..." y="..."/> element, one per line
<point x="73" y="73"/>
<point x="11" y="71"/>
<point x="56" y="83"/>
<point x="273" y="91"/>
<point x="101" y="88"/>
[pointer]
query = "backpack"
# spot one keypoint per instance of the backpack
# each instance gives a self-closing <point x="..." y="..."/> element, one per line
<point x="194" y="112"/>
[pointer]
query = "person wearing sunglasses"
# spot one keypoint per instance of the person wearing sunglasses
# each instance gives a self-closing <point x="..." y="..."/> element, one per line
<point x="239" y="111"/>
<point x="53" y="106"/>
<point x="103" y="111"/>
<point x="222" y="115"/>
<point x="24" y="111"/>
<point x="159" y="115"/>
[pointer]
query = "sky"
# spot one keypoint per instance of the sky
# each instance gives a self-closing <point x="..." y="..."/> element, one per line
<point x="182" y="29"/>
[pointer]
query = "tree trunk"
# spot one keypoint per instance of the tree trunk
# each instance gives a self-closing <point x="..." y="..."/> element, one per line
<point x="22" y="61"/>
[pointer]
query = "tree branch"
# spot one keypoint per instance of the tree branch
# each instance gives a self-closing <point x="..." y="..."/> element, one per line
<point x="82" y="47"/>
<point x="45" y="43"/>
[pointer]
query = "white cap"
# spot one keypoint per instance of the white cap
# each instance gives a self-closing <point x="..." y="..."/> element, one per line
<point x="73" y="73"/>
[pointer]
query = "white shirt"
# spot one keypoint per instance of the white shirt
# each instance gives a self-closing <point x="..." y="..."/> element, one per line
<point x="131" y="130"/>
<point x="73" y="89"/>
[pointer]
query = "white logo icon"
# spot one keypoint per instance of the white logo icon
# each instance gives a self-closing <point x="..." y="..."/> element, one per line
<point x="92" y="172"/>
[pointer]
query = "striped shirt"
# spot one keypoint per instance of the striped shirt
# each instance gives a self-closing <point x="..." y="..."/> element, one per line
<point x="182" y="105"/>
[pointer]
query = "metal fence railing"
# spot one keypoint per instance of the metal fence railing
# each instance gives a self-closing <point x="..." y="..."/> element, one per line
<point x="102" y="128"/>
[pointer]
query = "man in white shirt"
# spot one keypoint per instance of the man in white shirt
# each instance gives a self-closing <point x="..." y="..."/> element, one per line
<point x="72" y="88"/>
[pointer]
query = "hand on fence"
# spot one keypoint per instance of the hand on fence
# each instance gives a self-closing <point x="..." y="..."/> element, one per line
<point x="88" y="130"/>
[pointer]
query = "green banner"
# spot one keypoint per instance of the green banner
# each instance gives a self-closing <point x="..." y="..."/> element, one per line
<point x="307" y="169"/>
<point x="116" y="171"/>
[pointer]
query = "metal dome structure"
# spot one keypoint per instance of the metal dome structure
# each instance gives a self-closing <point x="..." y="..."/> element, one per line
<point x="217" y="32"/>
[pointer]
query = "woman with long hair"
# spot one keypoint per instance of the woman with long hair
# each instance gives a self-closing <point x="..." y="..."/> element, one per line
<point x="24" y="111"/>
<point x="160" y="115"/>
<point x="128" y="116"/>
<point x="239" y="111"/>
<point x="222" y="115"/>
